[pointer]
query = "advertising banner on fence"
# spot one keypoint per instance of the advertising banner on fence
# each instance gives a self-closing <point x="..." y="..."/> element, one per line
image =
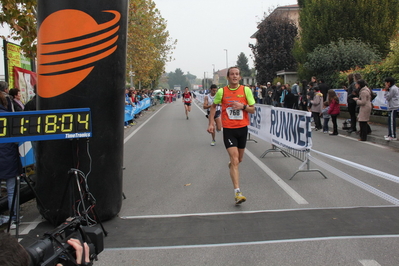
<point x="379" y="103"/>
<point x="130" y="110"/>
<point x="282" y="127"/>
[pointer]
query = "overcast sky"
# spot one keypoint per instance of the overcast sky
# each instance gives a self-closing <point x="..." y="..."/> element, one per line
<point x="204" y="29"/>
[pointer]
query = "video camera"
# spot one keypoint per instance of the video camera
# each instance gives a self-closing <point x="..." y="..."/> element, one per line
<point x="53" y="247"/>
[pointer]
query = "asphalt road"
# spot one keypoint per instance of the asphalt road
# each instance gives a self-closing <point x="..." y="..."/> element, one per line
<point x="179" y="207"/>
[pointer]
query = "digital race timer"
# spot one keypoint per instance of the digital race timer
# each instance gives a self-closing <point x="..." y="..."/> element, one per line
<point x="45" y="125"/>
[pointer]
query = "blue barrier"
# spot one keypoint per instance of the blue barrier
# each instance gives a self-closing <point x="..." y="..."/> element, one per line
<point x="26" y="153"/>
<point x="130" y="110"/>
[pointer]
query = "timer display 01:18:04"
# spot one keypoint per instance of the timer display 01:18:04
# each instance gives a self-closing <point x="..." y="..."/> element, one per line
<point x="44" y="124"/>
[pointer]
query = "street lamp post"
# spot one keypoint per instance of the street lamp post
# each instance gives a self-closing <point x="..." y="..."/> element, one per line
<point x="227" y="59"/>
<point x="213" y="74"/>
<point x="131" y="74"/>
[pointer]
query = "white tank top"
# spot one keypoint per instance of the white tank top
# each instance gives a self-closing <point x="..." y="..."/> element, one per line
<point x="210" y="101"/>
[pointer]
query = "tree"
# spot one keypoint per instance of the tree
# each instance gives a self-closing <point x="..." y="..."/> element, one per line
<point x="326" y="61"/>
<point x="326" y="21"/>
<point x="178" y="78"/>
<point x="148" y="46"/>
<point x="20" y="16"/>
<point x="242" y="63"/>
<point x="191" y="77"/>
<point x="273" y="50"/>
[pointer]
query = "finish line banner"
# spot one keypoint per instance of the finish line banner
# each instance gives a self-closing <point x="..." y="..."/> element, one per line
<point x="283" y="127"/>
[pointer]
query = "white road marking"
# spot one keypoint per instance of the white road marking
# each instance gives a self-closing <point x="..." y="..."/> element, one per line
<point x="246" y="212"/>
<point x="290" y="191"/>
<point x="258" y="243"/>
<point x="31" y="225"/>
<point x="369" y="263"/>
<point x="134" y="132"/>
<point x="364" y="142"/>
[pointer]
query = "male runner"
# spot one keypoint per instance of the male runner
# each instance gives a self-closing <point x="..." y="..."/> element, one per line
<point x="237" y="101"/>
<point x="208" y="101"/>
<point x="187" y="99"/>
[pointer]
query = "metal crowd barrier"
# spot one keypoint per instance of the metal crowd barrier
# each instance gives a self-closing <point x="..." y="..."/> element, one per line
<point x="301" y="155"/>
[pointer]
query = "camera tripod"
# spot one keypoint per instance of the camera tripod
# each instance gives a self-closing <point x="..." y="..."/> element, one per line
<point x="16" y="199"/>
<point x="84" y="196"/>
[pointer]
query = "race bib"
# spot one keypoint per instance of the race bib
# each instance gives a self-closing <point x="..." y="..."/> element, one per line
<point x="187" y="99"/>
<point x="234" y="114"/>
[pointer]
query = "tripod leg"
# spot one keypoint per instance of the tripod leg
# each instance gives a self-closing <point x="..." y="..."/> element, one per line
<point x="39" y="201"/>
<point x="99" y="221"/>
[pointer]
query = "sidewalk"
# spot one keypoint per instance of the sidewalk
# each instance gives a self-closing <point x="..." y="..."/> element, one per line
<point x="376" y="136"/>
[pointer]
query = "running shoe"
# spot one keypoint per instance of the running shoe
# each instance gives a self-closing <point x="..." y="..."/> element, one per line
<point x="240" y="198"/>
<point x="187" y="117"/>
<point x="213" y="143"/>
<point x="389" y="138"/>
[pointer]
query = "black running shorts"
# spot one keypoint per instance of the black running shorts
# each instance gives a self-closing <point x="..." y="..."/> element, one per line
<point x="235" y="137"/>
<point x="188" y="104"/>
<point x="217" y="114"/>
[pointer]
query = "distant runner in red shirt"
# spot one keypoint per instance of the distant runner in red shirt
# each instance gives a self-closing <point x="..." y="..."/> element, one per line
<point x="187" y="99"/>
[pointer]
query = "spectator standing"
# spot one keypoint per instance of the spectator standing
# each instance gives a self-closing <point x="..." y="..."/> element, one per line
<point x="260" y="94"/>
<point x="256" y="92"/>
<point x="333" y="109"/>
<point x="317" y="105"/>
<point x="352" y="93"/>
<point x="269" y="97"/>
<point x="310" y="95"/>
<point x="295" y="91"/>
<point x="324" y="87"/>
<point x="10" y="164"/>
<point x="4" y="91"/>
<point x="31" y="104"/>
<point x="15" y="95"/>
<point x="313" y="80"/>
<point x="289" y="99"/>
<point x="326" y="116"/>
<point x="284" y="92"/>
<point x="364" y="101"/>
<point x="303" y="100"/>
<point x="392" y="97"/>
<point x="264" y="93"/>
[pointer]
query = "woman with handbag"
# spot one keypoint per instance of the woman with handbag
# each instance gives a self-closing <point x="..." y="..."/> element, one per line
<point x="364" y="102"/>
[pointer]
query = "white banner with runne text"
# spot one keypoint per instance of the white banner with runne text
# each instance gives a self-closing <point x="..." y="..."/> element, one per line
<point x="283" y="127"/>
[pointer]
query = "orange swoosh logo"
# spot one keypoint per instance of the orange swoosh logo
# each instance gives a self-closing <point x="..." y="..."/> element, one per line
<point x="71" y="42"/>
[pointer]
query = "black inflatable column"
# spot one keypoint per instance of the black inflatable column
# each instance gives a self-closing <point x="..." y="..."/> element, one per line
<point x="81" y="63"/>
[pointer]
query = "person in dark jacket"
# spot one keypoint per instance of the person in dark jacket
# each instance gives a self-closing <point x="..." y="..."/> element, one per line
<point x="10" y="163"/>
<point x="4" y="91"/>
<point x="352" y="93"/>
<point x="289" y="99"/>
<point x="324" y="87"/>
